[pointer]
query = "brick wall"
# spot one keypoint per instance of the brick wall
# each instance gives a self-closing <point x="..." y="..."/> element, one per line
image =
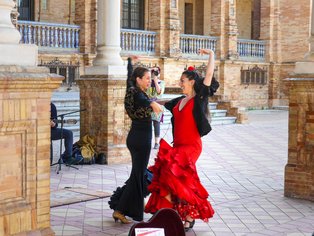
<point x="207" y="17"/>
<point x="57" y="11"/>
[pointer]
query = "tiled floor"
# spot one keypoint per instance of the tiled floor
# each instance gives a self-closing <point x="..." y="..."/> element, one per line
<point x="242" y="167"/>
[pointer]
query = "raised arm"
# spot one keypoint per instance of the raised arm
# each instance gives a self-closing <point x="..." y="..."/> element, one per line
<point x="210" y="65"/>
<point x="131" y="60"/>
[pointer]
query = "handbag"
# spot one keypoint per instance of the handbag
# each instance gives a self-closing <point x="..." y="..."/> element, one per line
<point x="158" y="117"/>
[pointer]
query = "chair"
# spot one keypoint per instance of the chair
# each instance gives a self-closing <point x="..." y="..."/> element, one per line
<point x="165" y="218"/>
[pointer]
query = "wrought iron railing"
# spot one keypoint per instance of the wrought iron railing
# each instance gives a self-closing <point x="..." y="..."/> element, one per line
<point x="190" y="44"/>
<point x="252" y="50"/>
<point x="138" y="41"/>
<point x="49" y="35"/>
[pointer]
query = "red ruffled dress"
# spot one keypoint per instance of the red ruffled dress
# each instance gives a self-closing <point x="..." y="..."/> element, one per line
<point x="175" y="172"/>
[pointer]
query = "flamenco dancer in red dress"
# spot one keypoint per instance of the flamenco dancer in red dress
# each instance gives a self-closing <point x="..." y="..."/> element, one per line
<point x="175" y="183"/>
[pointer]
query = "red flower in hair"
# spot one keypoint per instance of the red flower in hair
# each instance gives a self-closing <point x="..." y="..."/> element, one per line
<point x="191" y="68"/>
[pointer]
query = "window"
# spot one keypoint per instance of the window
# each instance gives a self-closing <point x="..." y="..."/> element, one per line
<point x="188" y="18"/>
<point x="69" y="70"/>
<point x="133" y="14"/>
<point x="254" y="75"/>
<point x="26" y="9"/>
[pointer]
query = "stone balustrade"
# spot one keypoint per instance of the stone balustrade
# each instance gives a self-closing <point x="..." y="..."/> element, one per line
<point x="251" y="50"/>
<point x="49" y="35"/>
<point x="138" y="41"/>
<point x="190" y="44"/>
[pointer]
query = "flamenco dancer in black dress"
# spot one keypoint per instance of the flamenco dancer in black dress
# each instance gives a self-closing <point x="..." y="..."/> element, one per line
<point x="129" y="199"/>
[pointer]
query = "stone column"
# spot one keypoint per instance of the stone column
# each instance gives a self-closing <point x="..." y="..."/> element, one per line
<point x="108" y="36"/>
<point x="299" y="171"/>
<point x="11" y="52"/>
<point x="25" y="92"/>
<point x="102" y="88"/>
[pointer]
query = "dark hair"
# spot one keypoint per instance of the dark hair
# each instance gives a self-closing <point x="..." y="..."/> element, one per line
<point x="138" y="72"/>
<point x="193" y="75"/>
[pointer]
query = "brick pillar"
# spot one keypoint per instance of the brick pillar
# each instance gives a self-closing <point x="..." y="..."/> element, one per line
<point x="299" y="171"/>
<point x="25" y="94"/>
<point x="164" y="19"/>
<point x="85" y="17"/>
<point x="224" y="26"/>
<point x="102" y="88"/>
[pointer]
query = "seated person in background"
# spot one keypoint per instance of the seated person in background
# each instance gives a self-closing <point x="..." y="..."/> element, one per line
<point x="67" y="135"/>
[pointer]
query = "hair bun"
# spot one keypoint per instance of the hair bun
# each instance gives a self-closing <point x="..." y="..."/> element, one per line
<point x="191" y="68"/>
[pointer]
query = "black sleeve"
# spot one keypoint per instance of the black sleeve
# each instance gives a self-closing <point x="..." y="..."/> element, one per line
<point x="53" y="113"/>
<point x="211" y="89"/>
<point x="172" y="103"/>
<point x="130" y="71"/>
<point x="142" y="100"/>
<point x="53" y="110"/>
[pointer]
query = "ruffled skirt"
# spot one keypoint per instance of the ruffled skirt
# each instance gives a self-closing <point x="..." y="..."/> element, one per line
<point x="175" y="173"/>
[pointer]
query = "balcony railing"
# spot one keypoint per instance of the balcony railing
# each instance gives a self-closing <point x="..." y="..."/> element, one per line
<point x="49" y="35"/>
<point x="251" y="50"/>
<point x="189" y="44"/>
<point x="138" y="41"/>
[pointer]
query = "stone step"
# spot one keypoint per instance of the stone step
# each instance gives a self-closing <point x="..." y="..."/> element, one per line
<point x="223" y="120"/>
<point x="217" y="113"/>
<point x="284" y="108"/>
<point x="212" y="106"/>
<point x="75" y="102"/>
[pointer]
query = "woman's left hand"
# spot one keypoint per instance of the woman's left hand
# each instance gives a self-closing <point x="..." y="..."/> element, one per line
<point x="134" y="58"/>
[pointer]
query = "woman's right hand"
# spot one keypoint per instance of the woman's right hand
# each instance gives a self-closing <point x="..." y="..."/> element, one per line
<point x="203" y="51"/>
<point x="52" y="124"/>
<point x="157" y="108"/>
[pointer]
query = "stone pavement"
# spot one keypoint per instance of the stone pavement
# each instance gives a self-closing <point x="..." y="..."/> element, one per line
<point x="241" y="166"/>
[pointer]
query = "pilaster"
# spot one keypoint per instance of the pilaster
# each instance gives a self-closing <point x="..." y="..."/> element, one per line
<point x="224" y="26"/>
<point x="85" y="17"/>
<point x="25" y="95"/>
<point x="299" y="171"/>
<point x="271" y="30"/>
